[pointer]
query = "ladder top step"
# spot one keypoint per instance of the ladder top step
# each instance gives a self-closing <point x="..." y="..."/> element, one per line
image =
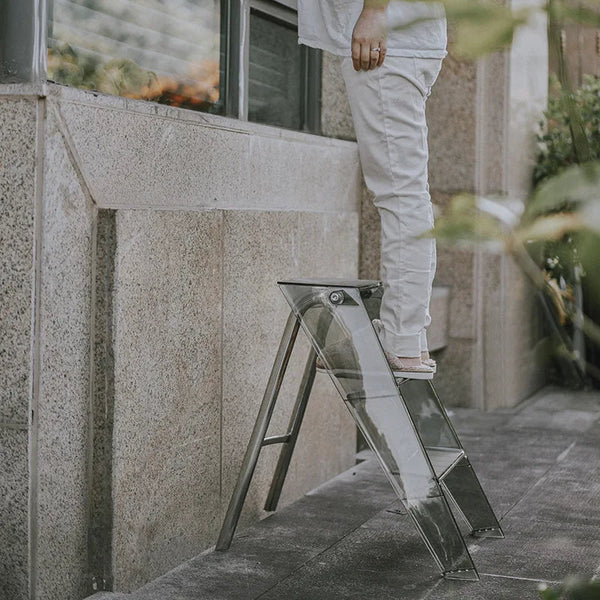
<point x="333" y="283"/>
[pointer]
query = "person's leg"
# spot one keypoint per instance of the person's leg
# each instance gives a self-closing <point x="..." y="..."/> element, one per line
<point x="388" y="110"/>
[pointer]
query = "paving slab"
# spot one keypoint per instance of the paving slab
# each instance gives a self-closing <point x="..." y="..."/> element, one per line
<point x="539" y="550"/>
<point x="553" y="409"/>
<point x="510" y="462"/>
<point x="568" y="493"/>
<point x="271" y="550"/>
<point x="384" y="558"/>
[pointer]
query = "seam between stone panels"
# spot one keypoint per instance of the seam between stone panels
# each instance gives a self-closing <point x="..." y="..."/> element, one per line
<point x="478" y="383"/>
<point x="23" y="90"/>
<point x="222" y="338"/>
<point x="517" y="578"/>
<point x="504" y="292"/>
<point x="89" y="508"/>
<point x="479" y="125"/>
<point x="33" y="417"/>
<point x="108" y="273"/>
<point x="72" y="152"/>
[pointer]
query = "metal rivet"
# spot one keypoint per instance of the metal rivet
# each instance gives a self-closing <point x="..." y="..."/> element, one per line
<point x="336" y="297"/>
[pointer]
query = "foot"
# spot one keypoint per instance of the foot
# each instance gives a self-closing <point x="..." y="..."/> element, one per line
<point x="405" y="367"/>
<point x="427" y="360"/>
<point x="342" y="358"/>
<point x="410" y="361"/>
<point x="409" y="367"/>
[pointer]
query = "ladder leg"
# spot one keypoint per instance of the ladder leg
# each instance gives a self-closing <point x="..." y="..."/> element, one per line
<point x="287" y="450"/>
<point x="304" y="391"/>
<point x="258" y="434"/>
<point x="439" y="530"/>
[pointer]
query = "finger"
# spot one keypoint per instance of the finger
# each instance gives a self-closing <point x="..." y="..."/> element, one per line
<point x="365" y="56"/>
<point x="382" y="54"/>
<point x="373" y="57"/>
<point x="356" y="55"/>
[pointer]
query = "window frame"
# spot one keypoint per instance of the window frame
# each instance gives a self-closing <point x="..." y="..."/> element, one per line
<point x="235" y="35"/>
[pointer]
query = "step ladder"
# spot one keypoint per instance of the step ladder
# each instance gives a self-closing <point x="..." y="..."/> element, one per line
<point x="402" y="420"/>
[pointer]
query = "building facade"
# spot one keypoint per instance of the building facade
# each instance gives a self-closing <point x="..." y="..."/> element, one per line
<point x="142" y="240"/>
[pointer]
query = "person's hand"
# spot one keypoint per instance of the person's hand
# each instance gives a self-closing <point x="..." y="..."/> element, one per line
<point x="369" y="32"/>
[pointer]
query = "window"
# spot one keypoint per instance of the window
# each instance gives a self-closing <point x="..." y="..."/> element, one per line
<point x="240" y="58"/>
<point x="150" y="49"/>
<point x="280" y="80"/>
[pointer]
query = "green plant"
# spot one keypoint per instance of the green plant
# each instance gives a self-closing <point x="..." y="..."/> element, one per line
<point x="575" y="588"/>
<point x="198" y="89"/>
<point x="570" y="259"/>
<point x="69" y="67"/>
<point x="554" y="142"/>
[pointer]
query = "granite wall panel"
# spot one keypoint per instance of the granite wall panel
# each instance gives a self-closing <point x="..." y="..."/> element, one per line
<point x="14" y="514"/>
<point x="286" y="245"/>
<point x="68" y="222"/>
<point x="18" y="123"/>
<point x="167" y="385"/>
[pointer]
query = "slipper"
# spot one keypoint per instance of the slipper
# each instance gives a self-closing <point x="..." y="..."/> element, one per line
<point x="401" y="369"/>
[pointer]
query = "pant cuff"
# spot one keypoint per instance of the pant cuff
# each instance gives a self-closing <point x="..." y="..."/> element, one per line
<point x="400" y="345"/>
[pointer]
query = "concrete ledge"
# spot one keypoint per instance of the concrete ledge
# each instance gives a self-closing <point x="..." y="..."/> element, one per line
<point x="139" y="154"/>
<point x="38" y="90"/>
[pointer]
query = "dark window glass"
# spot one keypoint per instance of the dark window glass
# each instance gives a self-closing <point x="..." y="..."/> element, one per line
<point x="167" y="51"/>
<point x="275" y="87"/>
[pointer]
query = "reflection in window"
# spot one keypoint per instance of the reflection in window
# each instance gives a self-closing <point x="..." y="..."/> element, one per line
<point x="167" y="51"/>
<point x="275" y="72"/>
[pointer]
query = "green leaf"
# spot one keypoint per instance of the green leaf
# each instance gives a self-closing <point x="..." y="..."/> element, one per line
<point x="578" y="14"/>
<point x="577" y="183"/>
<point x="482" y="26"/>
<point x="464" y="222"/>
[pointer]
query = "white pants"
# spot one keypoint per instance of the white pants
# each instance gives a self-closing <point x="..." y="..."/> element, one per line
<point x="388" y="110"/>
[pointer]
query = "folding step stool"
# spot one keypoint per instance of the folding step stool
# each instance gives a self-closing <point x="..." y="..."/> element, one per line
<point x="402" y="420"/>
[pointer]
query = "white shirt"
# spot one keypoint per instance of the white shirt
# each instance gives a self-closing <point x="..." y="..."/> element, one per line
<point x="328" y="24"/>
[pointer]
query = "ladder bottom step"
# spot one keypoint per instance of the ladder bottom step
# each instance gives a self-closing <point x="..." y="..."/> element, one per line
<point x="488" y="532"/>
<point x="462" y="575"/>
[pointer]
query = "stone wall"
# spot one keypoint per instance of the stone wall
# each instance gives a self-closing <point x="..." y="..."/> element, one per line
<point x="141" y="317"/>
<point x="19" y="154"/>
